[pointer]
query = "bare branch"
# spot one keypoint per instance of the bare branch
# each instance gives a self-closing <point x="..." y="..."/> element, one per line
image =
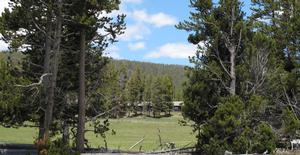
<point x="240" y="39"/>
<point x="221" y="63"/>
<point x="36" y="84"/>
<point x="219" y="78"/>
<point x="39" y="28"/>
<point x="103" y="113"/>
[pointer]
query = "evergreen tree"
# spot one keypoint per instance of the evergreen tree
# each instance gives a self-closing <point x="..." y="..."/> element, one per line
<point x="110" y="94"/>
<point x="162" y="93"/>
<point x="157" y="97"/>
<point x="135" y="90"/>
<point x="41" y="30"/>
<point x="168" y="93"/>
<point x="13" y="113"/>
<point x="219" y="31"/>
<point x="34" y="20"/>
<point x="279" y="20"/>
<point x="232" y="67"/>
<point x="149" y="81"/>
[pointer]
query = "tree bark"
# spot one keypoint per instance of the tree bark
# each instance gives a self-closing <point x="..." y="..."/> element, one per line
<point x="81" y="95"/>
<point x="54" y="69"/>
<point x="46" y="68"/>
<point x="232" y="87"/>
<point x="65" y="136"/>
<point x="232" y="49"/>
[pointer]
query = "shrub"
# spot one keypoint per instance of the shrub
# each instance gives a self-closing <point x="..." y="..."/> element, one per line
<point x="230" y="129"/>
<point x="264" y="139"/>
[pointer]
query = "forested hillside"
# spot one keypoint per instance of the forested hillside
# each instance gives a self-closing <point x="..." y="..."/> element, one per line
<point x="176" y="72"/>
<point x="149" y="70"/>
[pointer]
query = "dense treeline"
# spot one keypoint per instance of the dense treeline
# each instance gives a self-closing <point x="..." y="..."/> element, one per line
<point x="156" y="70"/>
<point x="243" y="91"/>
<point x="149" y="70"/>
<point x="134" y="91"/>
<point x="123" y="70"/>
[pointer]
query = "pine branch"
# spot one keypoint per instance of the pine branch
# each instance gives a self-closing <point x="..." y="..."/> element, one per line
<point x="35" y="84"/>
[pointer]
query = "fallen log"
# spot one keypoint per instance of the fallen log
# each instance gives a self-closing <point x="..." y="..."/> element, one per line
<point x="138" y="142"/>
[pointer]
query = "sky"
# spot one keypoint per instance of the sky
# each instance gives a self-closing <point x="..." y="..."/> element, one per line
<point x="150" y="33"/>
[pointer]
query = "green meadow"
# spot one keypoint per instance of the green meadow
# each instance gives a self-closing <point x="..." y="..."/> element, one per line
<point x="128" y="132"/>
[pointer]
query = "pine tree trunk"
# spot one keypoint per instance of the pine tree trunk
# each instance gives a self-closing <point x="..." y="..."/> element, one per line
<point x="54" y="69"/>
<point x="232" y="50"/>
<point x="232" y="71"/>
<point x="81" y="95"/>
<point x="46" y="68"/>
<point x="65" y="136"/>
<point x="41" y="126"/>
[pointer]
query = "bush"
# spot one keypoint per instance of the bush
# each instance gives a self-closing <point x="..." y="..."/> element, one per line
<point x="229" y="129"/>
<point x="224" y="126"/>
<point x="264" y="139"/>
<point x="291" y="124"/>
<point x="56" y="147"/>
<point x="214" y="146"/>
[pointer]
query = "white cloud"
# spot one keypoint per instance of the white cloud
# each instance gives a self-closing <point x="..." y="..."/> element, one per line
<point x="3" y="46"/>
<point x="161" y="19"/>
<point x="158" y="20"/>
<point x="136" y="46"/>
<point x="112" y="51"/>
<point x="140" y="29"/>
<point x="3" y="4"/>
<point x="135" y="32"/>
<point x="133" y="1"/>
<point x="173" y="50"/>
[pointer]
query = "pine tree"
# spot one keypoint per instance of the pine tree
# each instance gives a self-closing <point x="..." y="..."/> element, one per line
<point x="149" y="82"/>
<point x="280" y="21"/>
<point x="168" y="93"/>
<point x="219" y="30"/>
<point x="42" y="23"/>
<point x="11" y="96"/>
<point x="85" y="15"/>
<point x="231" y="70"/>
<point x="36" y="20"/>
<point x="135" y="90"/>
<point x="162" y="92"/>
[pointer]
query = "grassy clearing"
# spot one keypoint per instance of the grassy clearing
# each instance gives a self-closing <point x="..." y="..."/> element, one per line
<point x="23" y="135"/>
<point x="128" y="132"/>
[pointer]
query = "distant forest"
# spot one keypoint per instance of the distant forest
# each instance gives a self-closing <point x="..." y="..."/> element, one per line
<point x="176" y="72"/>
<point x="148" y="69"/>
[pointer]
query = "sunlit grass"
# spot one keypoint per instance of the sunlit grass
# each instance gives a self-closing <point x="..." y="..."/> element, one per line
<point x="128" y="132"/>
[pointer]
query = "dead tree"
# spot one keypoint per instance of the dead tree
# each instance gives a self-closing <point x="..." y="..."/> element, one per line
<point x="54" y="62"/>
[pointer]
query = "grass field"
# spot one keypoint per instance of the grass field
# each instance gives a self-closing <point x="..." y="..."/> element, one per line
<point x="128" y="132"/>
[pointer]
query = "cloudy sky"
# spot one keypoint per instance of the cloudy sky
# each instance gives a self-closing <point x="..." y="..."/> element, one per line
<point x="150" y="35"/>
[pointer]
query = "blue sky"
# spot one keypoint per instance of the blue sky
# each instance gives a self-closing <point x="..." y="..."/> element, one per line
<point x="151" y="35"/>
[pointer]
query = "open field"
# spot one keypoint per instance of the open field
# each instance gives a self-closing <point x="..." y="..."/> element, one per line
<point x="128" y="132"/>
